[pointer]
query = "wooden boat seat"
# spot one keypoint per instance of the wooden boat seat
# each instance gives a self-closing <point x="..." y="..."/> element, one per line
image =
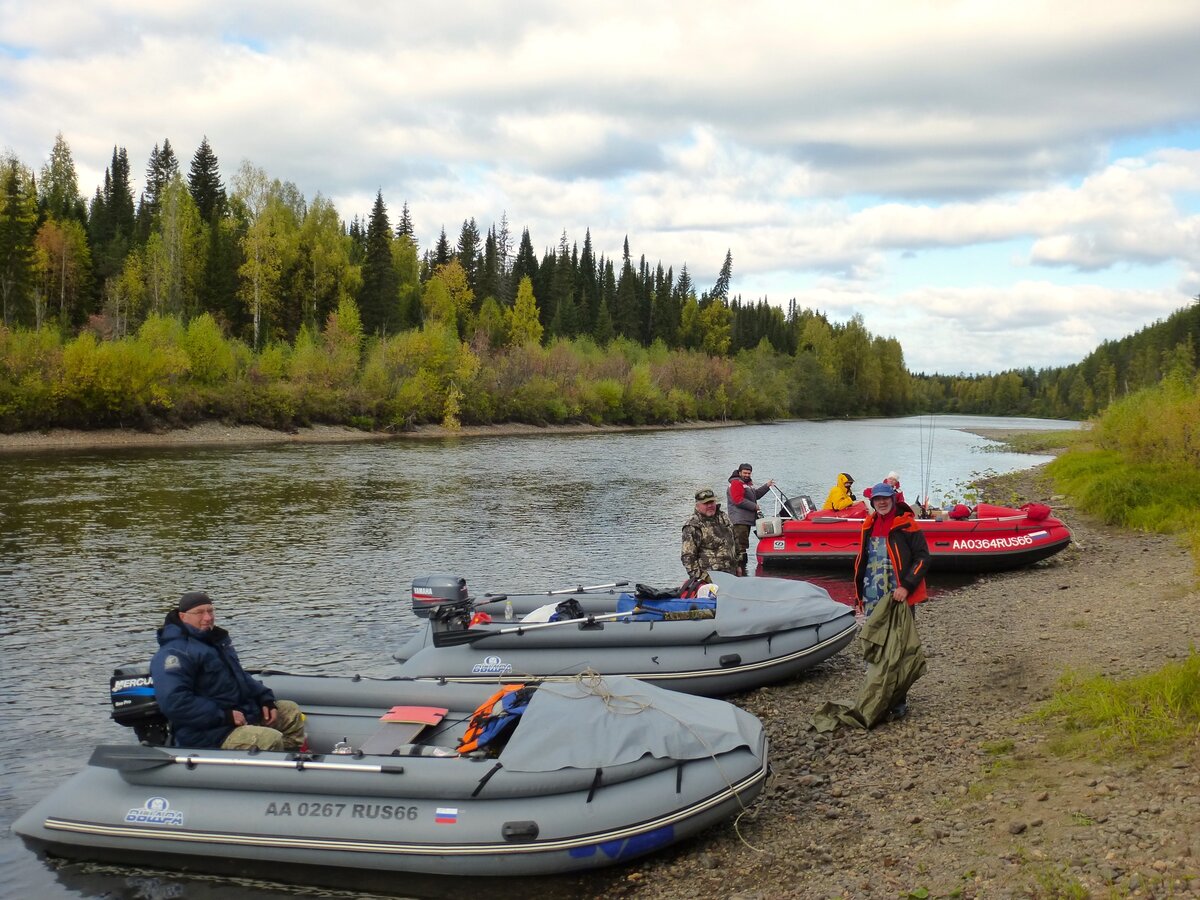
<point x="401" y="725"/>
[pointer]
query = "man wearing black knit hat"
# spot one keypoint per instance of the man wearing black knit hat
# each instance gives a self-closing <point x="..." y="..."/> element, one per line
<point x="202" y="689"/>
<point x="743" y="497"/>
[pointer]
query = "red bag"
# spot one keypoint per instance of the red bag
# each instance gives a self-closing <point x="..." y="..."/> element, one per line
<point x="1036" y="511"/>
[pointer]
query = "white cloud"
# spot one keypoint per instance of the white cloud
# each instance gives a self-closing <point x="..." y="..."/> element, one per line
<point x="828" y="147"/>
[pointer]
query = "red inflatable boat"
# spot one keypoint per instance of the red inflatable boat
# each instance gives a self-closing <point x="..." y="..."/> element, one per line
<point x="992" y="538"/>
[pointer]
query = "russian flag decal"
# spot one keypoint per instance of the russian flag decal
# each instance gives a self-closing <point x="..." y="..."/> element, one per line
<point x="446" y="815"/>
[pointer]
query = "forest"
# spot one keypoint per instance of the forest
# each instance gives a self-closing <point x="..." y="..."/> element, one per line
<point x="251" y="303"/>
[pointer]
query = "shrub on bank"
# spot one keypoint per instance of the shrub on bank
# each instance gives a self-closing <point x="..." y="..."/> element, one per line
<point x="178" y="374"/>
<point x="1144" y="472"/>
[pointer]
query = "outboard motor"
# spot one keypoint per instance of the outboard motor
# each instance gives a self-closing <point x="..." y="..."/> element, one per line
<point x="134" y="706"/>
<point x="433" y="591"/>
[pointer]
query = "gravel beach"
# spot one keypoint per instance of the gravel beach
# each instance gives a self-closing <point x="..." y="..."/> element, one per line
<point x="962" y="797"/>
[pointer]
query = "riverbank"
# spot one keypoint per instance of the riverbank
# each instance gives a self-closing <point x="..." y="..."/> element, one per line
<point x="963" y="797"/>
<point x="209" y="434"/>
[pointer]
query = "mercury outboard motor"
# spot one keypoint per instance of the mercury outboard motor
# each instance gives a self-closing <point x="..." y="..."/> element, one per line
<point x="134" y="706"/>
<point x="433" y="591"/>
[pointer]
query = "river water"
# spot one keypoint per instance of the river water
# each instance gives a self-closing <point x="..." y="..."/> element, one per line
<point x="309" y="551"/>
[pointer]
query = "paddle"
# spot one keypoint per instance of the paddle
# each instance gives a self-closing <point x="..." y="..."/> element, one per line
<point x="580" y="589"/>
<point x="130" y="758"/>
<point x="138" y="757"/>
<point x="469" y="636"/>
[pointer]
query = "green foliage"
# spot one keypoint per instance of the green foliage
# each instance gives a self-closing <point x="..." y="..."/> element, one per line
<point x="1147" y="714"/>
<point x="211" y="359"/>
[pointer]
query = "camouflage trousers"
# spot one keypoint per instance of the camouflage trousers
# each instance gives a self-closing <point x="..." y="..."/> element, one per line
<point x="286" y="734"/>
<point x="741" y="546"/>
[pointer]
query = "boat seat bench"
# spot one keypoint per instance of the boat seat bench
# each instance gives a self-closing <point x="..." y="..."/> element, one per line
<point x="400" y="725"/>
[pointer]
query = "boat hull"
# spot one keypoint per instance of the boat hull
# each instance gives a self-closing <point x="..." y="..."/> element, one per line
<point x="759" y="630"/>
<point x="983" y="545"/>
<point x="246" y="812"/>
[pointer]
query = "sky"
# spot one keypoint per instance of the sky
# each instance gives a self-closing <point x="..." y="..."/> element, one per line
<point x="996" y="185"/>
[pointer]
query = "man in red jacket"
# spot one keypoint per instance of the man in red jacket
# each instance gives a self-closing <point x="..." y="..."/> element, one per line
<point x="742" y="501"/>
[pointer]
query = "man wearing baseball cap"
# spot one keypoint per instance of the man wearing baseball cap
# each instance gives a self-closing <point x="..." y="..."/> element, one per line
<point x="202" y="689"/>
<point x="708" y="539"/>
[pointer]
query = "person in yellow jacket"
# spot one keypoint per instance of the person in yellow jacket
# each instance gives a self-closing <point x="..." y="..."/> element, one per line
<point x="840" y="495"/>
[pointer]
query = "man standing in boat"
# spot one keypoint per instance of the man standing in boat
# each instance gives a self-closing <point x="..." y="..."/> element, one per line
<point x="742" y="497"/>
<point x="708" y="542"/>
<point x="202" y="689"/>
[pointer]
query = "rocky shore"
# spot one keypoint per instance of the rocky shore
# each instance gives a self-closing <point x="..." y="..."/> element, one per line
<point x="963" y="798"/>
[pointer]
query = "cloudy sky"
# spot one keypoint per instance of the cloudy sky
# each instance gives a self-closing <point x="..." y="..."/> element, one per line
<point x="996" y="185"/>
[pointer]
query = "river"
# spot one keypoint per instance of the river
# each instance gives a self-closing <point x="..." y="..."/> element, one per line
<point x="309" y="551"/>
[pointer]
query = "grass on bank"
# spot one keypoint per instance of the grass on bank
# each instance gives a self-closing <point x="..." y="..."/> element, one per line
<point x="1107" y="718"/>
<point x="1138" y="466"/>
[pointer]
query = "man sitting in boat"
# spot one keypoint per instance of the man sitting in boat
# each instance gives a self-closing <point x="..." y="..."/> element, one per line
<point x="202" y="689"/>
<point x="708" y="543"/>
<point x="840" y="495"/>
<point x="894" y="480"/>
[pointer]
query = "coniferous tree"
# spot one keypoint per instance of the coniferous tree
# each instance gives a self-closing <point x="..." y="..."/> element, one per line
<point x="588" y="287"/>
<point x="489" y="273"/>
<point x="404" y="228"/>
<point x="720" y="290"/>
<point x="58" y="189"/>
<point x="468" y="254"/>
<point x="525" y="265"/>
<point x="625" y="310"/>
<point x="441" y="252"/>
<point x="18" y="222"/>
<point x="380" y="296"/>
<point x="162" y="167"/>
<point x="204" y="182"/>
<point x="504" y="258"/>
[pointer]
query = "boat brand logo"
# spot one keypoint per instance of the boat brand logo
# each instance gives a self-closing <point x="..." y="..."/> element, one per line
<point x="491" y="665"/>
<point x="779" y="545"/>
<point x="125" y="684"/>
<point x="155" y="811"/>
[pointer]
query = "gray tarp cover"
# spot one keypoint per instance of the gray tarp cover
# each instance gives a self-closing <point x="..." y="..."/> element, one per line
<point x="757" y="605"/>
<point x="606" y="721"/>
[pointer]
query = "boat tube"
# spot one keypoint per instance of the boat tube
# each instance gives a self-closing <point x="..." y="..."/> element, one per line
<point x="597" y="770"/>
<point x="990" y="538"/>
<point x="758" y="630"/>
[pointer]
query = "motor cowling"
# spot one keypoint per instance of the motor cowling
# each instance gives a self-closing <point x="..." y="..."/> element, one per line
<point x="433" y="591"/>
<point x="131" y="689"/>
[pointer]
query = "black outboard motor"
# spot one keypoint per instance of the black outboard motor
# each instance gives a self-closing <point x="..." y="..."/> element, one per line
<point x="134" y="706"/>
<point x="432" y="591"/>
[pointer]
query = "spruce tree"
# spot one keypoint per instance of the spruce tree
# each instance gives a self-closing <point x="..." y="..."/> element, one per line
<point x="380" y="295"/>
<point x="405" y="227"/>
<point x="441" y="253"/>
<point x="525" y="264"/>
<point x="162" y="167"/>
<point x="204" y="182"/>
<point x="58" y="190"/>
<point x="468" y="255"/>
<point x="18" y="221"/>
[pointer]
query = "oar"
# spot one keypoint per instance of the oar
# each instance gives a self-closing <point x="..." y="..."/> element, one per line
<point x="580" y="589"/>
<point x="454" y="638"/>
<point x="137" y="757"/>
<point x="130" y="757"/>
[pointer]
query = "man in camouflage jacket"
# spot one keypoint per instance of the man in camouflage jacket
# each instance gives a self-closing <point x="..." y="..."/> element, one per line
<point x="708" y="539"/>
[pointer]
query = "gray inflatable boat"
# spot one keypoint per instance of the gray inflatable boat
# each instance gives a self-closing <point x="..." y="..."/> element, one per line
<point x="756" y="631"/>
<point x="594" y="771"/>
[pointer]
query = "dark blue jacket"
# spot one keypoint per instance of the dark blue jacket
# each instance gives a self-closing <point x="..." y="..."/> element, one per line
<point x="199" y="682"/>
